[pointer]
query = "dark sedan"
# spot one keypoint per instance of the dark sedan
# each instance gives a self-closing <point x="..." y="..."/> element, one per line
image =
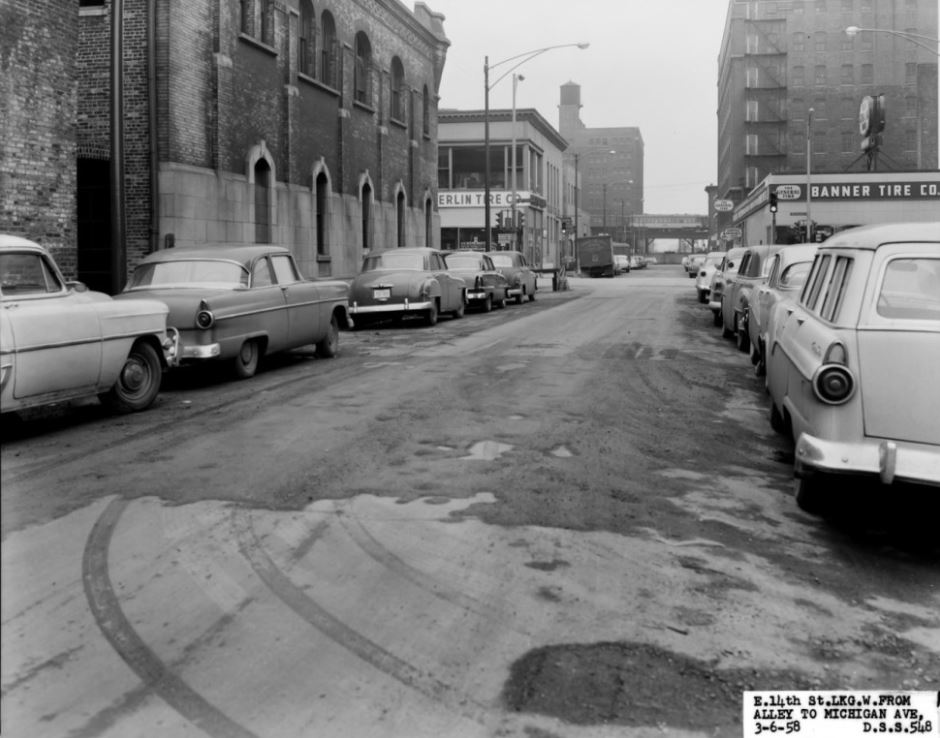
<point x="486" y="287"/>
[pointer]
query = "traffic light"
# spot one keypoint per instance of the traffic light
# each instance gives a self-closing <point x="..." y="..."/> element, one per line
<point x="521" y="220"/>
<point x="499" y="219"/>
<point x="773" y="202"/>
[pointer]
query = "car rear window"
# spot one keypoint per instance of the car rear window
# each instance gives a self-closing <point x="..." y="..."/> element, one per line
<point x="393" y="261"/>
<point x="910" y="289"/>
<point x="462" y="261"/>
<point x="189" y="271"/>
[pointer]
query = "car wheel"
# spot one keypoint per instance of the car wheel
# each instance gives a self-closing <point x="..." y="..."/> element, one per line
<point x="488" y="304"/>
<point x="742" y="339"/>
<point x="702" y="297"/>
<point x="810" y="493"/>
<point x="138" y="381"/>
<point x="458" y="313"/>
<point x="503" y="301"/>
<point x="777" y="421"/>
<point x="246" y="361"/>
<point x="328" y="346"/>
<point x="430" y="317"/>
<point x="760" y="366"/>
<point x="520" y="297"/>
<point x="532" y="295"/>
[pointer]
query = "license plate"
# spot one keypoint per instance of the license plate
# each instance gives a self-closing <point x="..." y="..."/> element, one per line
<point x="381" y="293"/>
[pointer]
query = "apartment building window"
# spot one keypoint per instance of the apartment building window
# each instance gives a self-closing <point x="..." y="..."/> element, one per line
<point x="751" y="111"/>
<point x="867" y="75"/>
<point x="848" y="42"/>
<point x="865" y="40"/>
<point x="799" y="75"/>
<point x="750" y="144"/>
<point x="799" y="41"/>
<point x="752" y="177"/>
<point x="362" y="74"/>
<point x="798" y="142"/>
<point x="848" y="107"/>
<point x="819" y="142"/>
<point x="866" y="6"/>
<point x="751" y="77"/>
<point x="797" y="7"/>
<point x="910" y="73"/>
<point x="910" y="140"/>
<point x="848" y="74"/>
<point x="848" y="142"/>
<point x="751" y="43"/>
<point x="910" y="106"/>
<point x="819" y="109"/>
<point x="819" y="74"/>
<point x="848" y="6"/>
<point x="819" y="40"/>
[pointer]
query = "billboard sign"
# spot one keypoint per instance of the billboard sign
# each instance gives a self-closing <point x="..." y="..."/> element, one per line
<point x="789" y="192"/>
<point x="724" y="206"/>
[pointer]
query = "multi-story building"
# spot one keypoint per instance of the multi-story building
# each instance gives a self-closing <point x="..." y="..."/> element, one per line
<point x="303" y="123"/>
<point x="610" y="162"/>
<point x="791" y="79"/>
<point x="534" y="212"/>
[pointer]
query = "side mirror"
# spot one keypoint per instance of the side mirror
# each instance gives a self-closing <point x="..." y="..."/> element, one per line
<point x="76" y="286"/>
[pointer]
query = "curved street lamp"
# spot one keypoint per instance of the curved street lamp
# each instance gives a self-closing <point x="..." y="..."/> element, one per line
<point x="522" y="59"/>
<point x="915" y="38"/>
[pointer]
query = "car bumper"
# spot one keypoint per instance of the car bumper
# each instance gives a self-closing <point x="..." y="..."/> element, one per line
<point x="197" y="352"/>
<point x="889" y="460"/>
<point x="477" y="295"/>
<point x="389" y="307"/>
<point x="513" y="291"/>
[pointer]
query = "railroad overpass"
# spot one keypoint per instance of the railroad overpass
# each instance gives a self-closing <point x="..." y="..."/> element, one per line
<point x="640" y="230"/>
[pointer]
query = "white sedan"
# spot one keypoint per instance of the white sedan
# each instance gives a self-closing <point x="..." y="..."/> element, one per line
<point x="59" y="341"/>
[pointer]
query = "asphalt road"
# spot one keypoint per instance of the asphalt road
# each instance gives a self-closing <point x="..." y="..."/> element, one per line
<point x="566" y="518"/>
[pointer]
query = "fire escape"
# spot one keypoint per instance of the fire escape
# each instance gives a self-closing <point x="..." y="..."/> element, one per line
<point x="765" y="128"/>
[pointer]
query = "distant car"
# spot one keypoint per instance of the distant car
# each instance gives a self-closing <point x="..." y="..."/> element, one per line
<point x="853" y="376"/>
<point x="60" y="341"/>
<point x="787" y="273"/>
<point x="753" y="271"/>
<point x="723" y="276"/>
<point x="486" y="287"/>
<point x="522" y="280"/>
<point x="237" y="304"/>
<point x="637" y="262"/>
<point x="704" y="277"/>
<point x="621" y="264"/>
<point x="397" y="283"/>
<point x="694" y="262"/>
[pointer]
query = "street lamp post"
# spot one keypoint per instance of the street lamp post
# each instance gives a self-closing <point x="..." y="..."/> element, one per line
<point x="523" y="57"/>
<point x="809" y="166"/>
<point x="515" y="81"/>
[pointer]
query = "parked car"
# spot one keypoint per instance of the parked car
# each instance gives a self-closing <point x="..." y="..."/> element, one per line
<point x="752" y="271"/>
<point x="724" y="274"/>
<point x="522" y="280"/>
<point x="621" y="264"/>
<point x="60" y="341"/>
<point x="703" y="279"/>
<point x="637" y="262"/>
<point x="786" y="276"/>
<point x="485" y="285"/>
<point x="693" y="264"/>
<point x="395" y="283"/>
<point x="853" y="375"/>
<point x="237" y="304"/>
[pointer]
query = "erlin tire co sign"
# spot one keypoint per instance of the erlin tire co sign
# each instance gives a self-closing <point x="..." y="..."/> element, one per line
<point x="862" y="191"/>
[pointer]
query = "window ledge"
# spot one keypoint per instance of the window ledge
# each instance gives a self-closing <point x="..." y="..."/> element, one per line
<point x="324" y="259"/>
<point x="364" y="107"/>
<point x="251" y="40"/>
<point x="398" y="123"/>
<point x="313" y="82"/>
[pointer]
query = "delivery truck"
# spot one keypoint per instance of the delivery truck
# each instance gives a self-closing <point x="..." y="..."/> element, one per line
<point x="596" y="256"/>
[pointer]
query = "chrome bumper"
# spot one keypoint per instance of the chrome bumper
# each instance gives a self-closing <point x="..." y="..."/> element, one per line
<point x="889" y="460"/>
<point x="476" y="295"/>
<point x="513" y="291"/>
<point x="200" y="351"/>
<point x="390" y="307"/>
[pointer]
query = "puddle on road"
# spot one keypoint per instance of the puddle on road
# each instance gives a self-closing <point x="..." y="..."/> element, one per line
<point x="562" y="453"/>
<point x="487" y="451"/>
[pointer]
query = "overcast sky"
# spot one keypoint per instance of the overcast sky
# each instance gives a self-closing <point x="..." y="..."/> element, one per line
<point x="652" y="64"/>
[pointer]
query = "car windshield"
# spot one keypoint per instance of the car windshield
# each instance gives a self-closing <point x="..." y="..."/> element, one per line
<point x="463" y="261"/>
<point x="794" y="276"/>
<point x="393" y="260"/>
<point x="713" y="261"/>
<point x="27" y="273"/>
<point x="502" y="260"/>
<point x="911" y="290"/>
<point x="214" y="272"/>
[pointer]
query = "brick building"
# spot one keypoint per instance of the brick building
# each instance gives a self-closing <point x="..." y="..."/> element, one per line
<point x="610" y="162"/>
<point x="306" y="123"/>
<point x="789" y="72"/>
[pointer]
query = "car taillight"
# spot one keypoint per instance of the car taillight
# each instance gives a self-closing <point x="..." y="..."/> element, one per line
<point x="833" y="384"/>
<point x="204" y="317"/>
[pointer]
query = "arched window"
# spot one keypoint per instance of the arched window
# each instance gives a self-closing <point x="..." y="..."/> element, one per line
<point x="398" y="89"/>
<point x="366" y="217"/>
<point x="262" y="201"/>
<point x="306" y="43"/>
<point x="328" y="49"/>
<point x="362" y="76"/>
<point x="426" y="112"/>
<point x="322" y="192"/>
<point x="400" y="218"/>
